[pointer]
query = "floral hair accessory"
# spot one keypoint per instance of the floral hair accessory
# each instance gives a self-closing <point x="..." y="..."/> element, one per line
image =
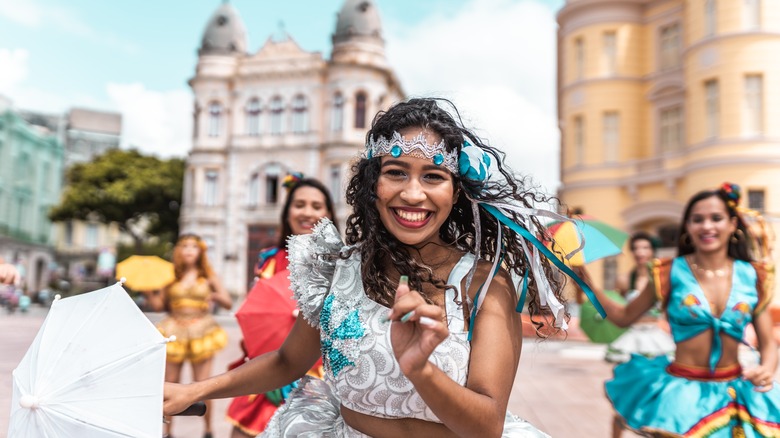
<point x="417" y="147"/>
<point x="474" y="163"/>
<point x="733" y="193"/>
<point x="291" y="180"/>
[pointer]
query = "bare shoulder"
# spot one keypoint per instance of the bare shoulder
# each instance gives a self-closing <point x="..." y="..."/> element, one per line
<point x="500" y="284"/>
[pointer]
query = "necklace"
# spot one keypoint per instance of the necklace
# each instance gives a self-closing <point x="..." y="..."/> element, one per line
<point x="711" y="273"/>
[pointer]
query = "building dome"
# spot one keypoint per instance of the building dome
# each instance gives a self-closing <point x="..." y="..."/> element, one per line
<point x="357" y="18"/>
<point x="225" y="33"/>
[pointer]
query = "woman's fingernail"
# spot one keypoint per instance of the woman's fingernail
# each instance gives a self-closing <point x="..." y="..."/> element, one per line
<point x="407" y="316"/>
<point x="403" y="281"/>
<point x="386" y="318"/>
<point x="428" y="322"/>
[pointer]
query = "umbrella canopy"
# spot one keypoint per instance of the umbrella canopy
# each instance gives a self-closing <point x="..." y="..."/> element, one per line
<point x="95" y="369"/>
<point x="267" y="315"/>
<point x="601" y="240"/>
<point x="145" y="272"/>
<point x="596" y="328"/>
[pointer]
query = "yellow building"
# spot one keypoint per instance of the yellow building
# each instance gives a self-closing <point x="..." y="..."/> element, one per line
<point x="658" y="99"/>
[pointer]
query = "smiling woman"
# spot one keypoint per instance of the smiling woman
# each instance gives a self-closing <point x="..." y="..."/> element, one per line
<point x="307" y="202"/>
<point x="711" y="291"/>
<point x="415" y="317"/>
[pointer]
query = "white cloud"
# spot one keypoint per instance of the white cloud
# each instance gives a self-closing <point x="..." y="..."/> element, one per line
<point x="496" y="59"/>
<point x="26" y="13"/>
<point x="157" y="122"/>
<point x="14" y="68"/>
<point x="33" y="14"/>
<point x="14" y="84"/>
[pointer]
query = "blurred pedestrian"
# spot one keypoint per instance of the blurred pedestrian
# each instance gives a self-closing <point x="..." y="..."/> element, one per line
<point x="645" y="337"/>
<point x="187" y="301"/>
<point x="307" y="202"/>
<point x="9" y="274"/>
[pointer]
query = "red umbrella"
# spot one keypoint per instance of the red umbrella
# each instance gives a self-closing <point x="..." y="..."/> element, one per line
<point x="267" y="315"/>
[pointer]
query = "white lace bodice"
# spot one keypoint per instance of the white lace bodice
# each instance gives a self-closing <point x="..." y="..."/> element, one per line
<point x="356" y="348"/>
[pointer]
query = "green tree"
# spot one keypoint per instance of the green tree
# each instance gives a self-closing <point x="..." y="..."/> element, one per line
<point x="139" y="192"/>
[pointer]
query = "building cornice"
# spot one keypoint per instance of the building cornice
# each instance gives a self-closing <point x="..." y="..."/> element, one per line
<point x="583" y="83"/>
<point x="656" y="173"/>
<point x="573" y="8"/>
<point x="598" y="8"/>
<point x="721" y="37"/>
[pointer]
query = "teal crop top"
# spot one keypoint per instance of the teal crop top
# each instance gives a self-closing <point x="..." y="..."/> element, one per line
<point x="689" y="313"/>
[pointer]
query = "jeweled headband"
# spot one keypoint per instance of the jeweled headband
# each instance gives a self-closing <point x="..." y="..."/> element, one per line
<point x="417" y="147"/>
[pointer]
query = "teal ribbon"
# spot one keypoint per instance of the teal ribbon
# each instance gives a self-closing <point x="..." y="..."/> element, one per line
<point x="517" y="228"/>
<point x="523" y="293"/>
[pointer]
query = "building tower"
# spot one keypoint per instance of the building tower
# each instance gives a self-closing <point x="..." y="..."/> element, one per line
<point x="660" y="99"/>
<point x="259" y="116"/>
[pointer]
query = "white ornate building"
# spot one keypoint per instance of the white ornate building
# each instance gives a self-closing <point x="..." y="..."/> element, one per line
<point x="261" y="115"/>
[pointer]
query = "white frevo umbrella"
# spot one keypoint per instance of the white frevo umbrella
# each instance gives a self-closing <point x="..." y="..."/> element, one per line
<point x="95" y="369"/>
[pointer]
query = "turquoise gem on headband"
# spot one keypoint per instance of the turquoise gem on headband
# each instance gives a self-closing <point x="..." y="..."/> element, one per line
<point x="370" y="154"/>
<point x="438" y="159"/>
<point x="396" y="151"/>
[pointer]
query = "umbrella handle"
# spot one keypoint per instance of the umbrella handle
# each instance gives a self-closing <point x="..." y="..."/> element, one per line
<point x="196" y="409"/>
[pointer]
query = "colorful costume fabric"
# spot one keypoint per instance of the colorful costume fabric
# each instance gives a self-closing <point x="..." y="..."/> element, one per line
<point x="251" y="413"/>
<point x="198" y="336"/>
<point x="645" y="337"/>
<point x="670" y="399"/>
<point x="270" y="261"/>
<point x="361" y="371"/>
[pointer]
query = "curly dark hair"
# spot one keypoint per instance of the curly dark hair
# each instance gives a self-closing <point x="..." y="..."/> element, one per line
<point x="740" y="248"/>
<point x="377" y="246"/>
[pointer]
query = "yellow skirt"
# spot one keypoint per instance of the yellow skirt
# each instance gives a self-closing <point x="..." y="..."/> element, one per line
<point x="197" y="338"/>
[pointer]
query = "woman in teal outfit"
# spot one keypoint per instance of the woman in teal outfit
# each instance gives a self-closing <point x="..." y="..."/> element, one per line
<point x="710" y="292"/>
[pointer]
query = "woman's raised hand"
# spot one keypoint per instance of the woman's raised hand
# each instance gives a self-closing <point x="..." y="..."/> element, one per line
<point x="416" y="329"/>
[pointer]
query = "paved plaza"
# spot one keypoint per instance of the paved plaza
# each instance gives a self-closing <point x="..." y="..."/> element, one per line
<point x="558" y="387"/>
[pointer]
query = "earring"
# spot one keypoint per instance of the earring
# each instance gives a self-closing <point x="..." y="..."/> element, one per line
<point x="737" y="236"/>
<point x="685" y="239"/>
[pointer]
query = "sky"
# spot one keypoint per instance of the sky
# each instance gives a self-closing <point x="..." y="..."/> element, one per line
<point x="494" y="58"/>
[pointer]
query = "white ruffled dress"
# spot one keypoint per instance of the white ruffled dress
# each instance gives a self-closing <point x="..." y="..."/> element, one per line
<point x="361" y="371"/>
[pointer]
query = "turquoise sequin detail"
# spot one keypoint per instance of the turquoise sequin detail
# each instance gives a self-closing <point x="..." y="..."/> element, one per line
<point x="396" y="151"/>
<point x="438" y="159"/>
<point x="335" y="341"/>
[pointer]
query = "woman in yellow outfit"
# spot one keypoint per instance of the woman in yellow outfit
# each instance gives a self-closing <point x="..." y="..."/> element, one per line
<point x="187" y="301"/>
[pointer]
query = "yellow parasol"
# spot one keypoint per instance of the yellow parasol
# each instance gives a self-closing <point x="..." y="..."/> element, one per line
<point x="144" y="273"/>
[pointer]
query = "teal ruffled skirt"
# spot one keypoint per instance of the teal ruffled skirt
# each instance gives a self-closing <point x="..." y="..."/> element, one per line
<point x="651" y="400"/>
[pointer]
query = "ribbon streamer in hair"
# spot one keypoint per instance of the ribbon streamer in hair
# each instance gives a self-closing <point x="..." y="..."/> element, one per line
<point x="547" y="253"/>
<point x="545" y="292"/>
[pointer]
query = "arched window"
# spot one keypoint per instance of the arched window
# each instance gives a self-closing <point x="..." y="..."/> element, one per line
<point x="253" y="117"/>
<point x="337" y="115"/>
<point x="272" y="172"/>
<point x="211" y="187"/>
<point x="276" y="115"/>
<point x="215" y="116"/>
<point x="300" y="115"/>
<point x="360" y="110"/>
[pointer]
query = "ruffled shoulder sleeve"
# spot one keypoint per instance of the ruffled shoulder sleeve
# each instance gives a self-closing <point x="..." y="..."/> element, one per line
<point x="765" y="283"/>
<point x="662" y="270"/>
<point x="312" y="262"/>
